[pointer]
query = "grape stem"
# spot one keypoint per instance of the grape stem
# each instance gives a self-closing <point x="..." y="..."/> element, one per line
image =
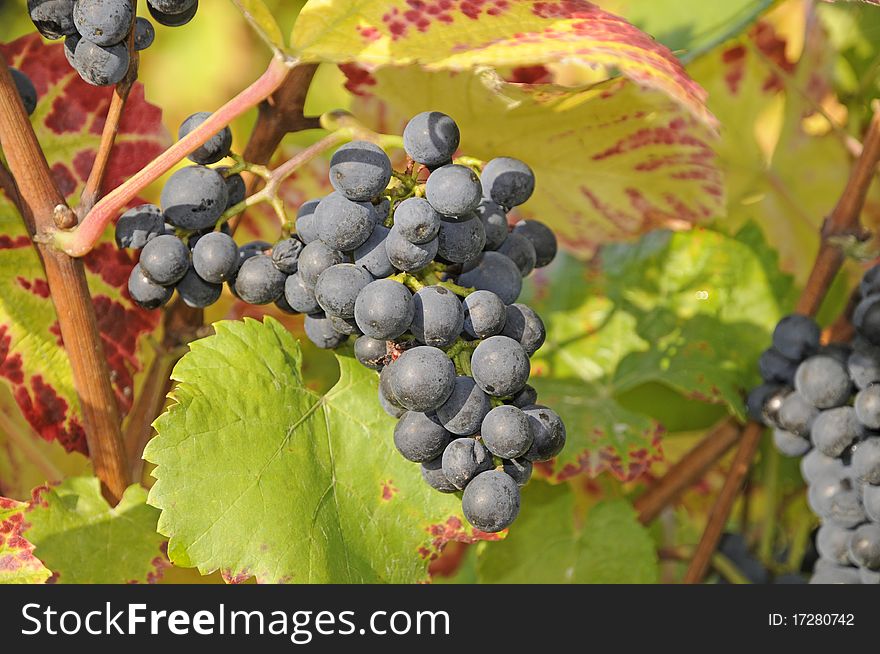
<point x="412" y="282"/>
<point x="79" y="241"/>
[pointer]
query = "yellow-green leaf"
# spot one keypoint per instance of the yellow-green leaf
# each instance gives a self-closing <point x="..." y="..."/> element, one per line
<point x="18" y="565"/>
<point x="261" y="19"/>
<point x="466" y="34"/>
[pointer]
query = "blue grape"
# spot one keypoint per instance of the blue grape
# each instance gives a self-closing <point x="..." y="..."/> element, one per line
<point x="823" y="381"/>
<point x="835" y="430"/>
<point x="101" y="66"/>
<point x="871" y="501"/>
<point x="543" y="239"/>
<point x="524" y="326"/>
<point x="338" y="287"/>
<point x="420" y="437"/>
<point x="508" y="181"/>
<point x="103" y="22"/>
<point x="763" y="402"/>
<point x="463" y="412"/>
<point x="520" y="250"/>
<point x="384" y="309"/>
<point x="549" y="433"/>
<point x="407" y="256"/>
<point x="306" y="226"/>
<point x="870" y="283"/>
<point x="863" y="367"/>
<point x="864" y="546"/>
<point x="423" y="378"/>
<point x="507" y="432"/>
<point x="453" y="190"/>
<point x="438" y="316"/>
<point x="432" y="473"/>
<point x="416" y="220"/>
<point x="144" y="33"/>
<point x="345" y="326"/>
<point x="866" y="319"/>
<point x="146" y="293"/>
<point x="491" y="501"/>
<point x="495" y="273"/>
<point x="790" y="444"/>
<point x="372" y="254"/>
<point x="314" y="259"/>
<point x="834" y="574"/>
<point x="796" y="415"/>
<point x="165" y="259"/>
<point x="258" y="281"/>
<point x="371" y="352"/>
<point x="832" y="543"/>
<point x="484" y="314"/>
<point x="464" y="459"/>
<point x="236" y="191"/>
<point x="500" y="366"/>
<point x="194" y="198"/>
<point x="815" y="466"/>
<point x="215" y="257"/>
<point x="285" y="255"/>
<point x="360" y="170"/>
<point x="526" y="397"/>
<point x="70" y="43"/>
<point x="867" y="406"/>
<point x="183" y="11"/>
<point x="215" y="148"/>
<point x="776" y="368"/>
<point x="26" y="90"/>
<point x="796" y="336"/>
<point x="320" y="331"/>
<point x="52" y="18"/>
<point x="196" y="292"/>
<point x="461" y="241"/>
<point x="520" y="470"/>
<point x="431" y="138"/>
<point x="300" y="296"/>
<point x="866" y="460"/>
<point x="344" y="224"/>
<point x="494" y="221"/>
<point x="139" y="225"/>
<point x="837" y="501"/>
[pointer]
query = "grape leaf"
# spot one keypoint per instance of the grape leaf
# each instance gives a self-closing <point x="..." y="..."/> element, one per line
<point x="18" y="565"/>
<point x="780" y="174"/>
<point x="68" y="122"/>
<point x="261" y="19"/>
<point x="258" y="476"/>
<point x="84" y="540"/>
<point x="458" y="35"/>
<point x="548" y="545"/>
<point x="690" y="310"/>
<point x="610" y="162"/>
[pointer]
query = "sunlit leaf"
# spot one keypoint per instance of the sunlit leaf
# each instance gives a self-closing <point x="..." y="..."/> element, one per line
<point x="261" y="19"/>
<point x="18" y="565"/>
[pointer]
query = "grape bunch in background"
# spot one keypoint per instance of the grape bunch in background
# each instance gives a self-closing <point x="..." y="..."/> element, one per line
<point x="423" y="275"/>
<point x="96" y="32"/>
<point x="823" y="403"/>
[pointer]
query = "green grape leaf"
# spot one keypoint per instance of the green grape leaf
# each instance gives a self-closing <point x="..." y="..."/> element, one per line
<point x="784" y="166"/>
<point x="68" y="121"/>
<point x="460" y="35"/>
<point x="261" y="19"/>
<point x="18" y="565"/>
<point x="689" y="310"/>
<point x="549" y="546"/>
<point x="84" y="540"/>
<point x="610" y="162"/>
<point x="258" y="476"/>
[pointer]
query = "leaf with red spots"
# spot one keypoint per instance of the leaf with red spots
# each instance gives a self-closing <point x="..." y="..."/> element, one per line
<point x="690" y="310"/>
<point x="68" y="122"/>
<point x="18" y="565"/>
<point x="554" y="545"/>
<point x="84" y="540"/>
<point x="610" y="162"/>
<point x="461" y="35"/>
<point x="258" y="476"/>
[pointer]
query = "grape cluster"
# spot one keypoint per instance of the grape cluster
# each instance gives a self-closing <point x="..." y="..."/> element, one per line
<point x="180" y="245"/>
<point x="823" y="403"/>
<point x="96" y="31"/>
<point x="424" y="276"/>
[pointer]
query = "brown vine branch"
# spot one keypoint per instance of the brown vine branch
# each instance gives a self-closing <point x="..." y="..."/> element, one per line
<point x="844" y="220"/>
<point x="69" y="291"/>
<point x="688" y="470"/>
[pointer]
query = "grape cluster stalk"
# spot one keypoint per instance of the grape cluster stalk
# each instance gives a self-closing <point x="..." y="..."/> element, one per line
<point x="96" y="32"/>
<point x="421" y="268"/>
<point x="823" y="404"/>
